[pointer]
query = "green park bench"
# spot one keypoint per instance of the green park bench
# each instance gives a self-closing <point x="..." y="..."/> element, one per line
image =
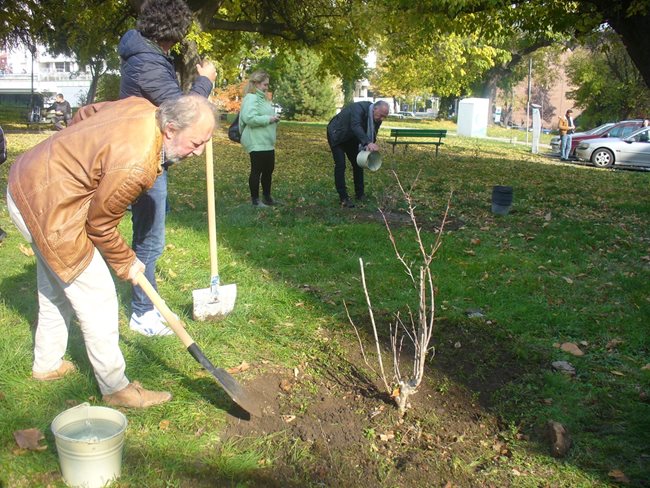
<point x="409" y="134"/>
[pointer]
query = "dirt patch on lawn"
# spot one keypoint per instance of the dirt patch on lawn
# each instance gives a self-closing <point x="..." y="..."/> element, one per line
<point x="329" y="424"/>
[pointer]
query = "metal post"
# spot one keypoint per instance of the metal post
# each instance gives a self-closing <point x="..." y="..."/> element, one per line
<point x="530" y="72"/>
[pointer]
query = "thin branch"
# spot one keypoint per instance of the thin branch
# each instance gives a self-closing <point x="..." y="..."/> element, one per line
<point x="374" y="326"/>
<point x="356" y="331"/>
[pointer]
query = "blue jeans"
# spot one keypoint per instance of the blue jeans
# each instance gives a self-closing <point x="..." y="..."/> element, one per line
<point x="565" y="146"/>
<point x="148" y="217"/>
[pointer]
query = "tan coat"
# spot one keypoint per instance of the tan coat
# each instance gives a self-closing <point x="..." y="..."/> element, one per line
<point x="564" y="125"/>
<point x="73" y="189"/>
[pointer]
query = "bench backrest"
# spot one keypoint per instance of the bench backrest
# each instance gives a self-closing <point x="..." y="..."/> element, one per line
<point x="418" y="132"/>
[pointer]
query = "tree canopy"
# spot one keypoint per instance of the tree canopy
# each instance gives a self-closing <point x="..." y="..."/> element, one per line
<point x="444" y="46"/>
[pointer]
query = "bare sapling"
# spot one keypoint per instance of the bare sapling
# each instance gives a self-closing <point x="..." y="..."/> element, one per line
<point x="418" y="329"/>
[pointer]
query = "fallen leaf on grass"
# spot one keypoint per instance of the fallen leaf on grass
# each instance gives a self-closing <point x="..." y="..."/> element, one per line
<point x="618" y="476"/>
<point x="288" y="418"/>
<point x="572" y="348"/>
<point x="388" y="436"/>
<point x="475" y="242"/>
<point x="614" y="343"/>
<point x="239" y="369"/>
<point x="29" y="439"/>
<point x="469" y="252"/>
<point x="617" y="373"/>
<point x="568" y="280"/>
<point x="172" y="274"/>
<point x="163" y="425"/>
<point x="285" y="385"/>
<point x="27" y="251"/>
<point x="646" y="367"/>
<point x="547" y="217"/>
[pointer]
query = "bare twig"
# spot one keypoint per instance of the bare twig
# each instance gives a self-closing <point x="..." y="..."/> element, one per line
<point x="374" y="325"/>
<point x="356" y="331"/>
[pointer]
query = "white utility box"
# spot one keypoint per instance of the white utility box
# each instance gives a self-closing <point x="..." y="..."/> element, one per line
<point x="473" y="117"/>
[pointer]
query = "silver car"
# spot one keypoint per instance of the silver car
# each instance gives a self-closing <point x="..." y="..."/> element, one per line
<point x="634" y="150"/>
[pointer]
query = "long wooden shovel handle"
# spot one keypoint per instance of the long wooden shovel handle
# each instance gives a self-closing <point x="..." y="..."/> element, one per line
<point x="172" y="319"/>
<point x="212" y="219"/>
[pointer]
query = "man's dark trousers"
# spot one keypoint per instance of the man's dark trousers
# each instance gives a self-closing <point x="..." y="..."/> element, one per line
<point x="351" y="150"/>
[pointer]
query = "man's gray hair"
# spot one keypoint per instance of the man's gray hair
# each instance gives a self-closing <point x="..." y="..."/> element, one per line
<point x="382" y="103"/>
<point x="183" y="111"/>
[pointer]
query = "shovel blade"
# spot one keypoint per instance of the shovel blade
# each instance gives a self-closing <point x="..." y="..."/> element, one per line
<point x="227" y="382"/>
<point x="205" y="309"/>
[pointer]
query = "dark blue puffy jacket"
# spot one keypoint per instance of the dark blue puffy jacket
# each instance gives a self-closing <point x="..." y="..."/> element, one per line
<point x="148" y="72"/>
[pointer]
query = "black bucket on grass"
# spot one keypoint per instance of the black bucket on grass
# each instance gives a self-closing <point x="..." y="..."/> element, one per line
<point x="501" y="199"/>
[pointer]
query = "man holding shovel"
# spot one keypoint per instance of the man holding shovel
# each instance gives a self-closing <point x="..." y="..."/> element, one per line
<point x="67" y="196"/>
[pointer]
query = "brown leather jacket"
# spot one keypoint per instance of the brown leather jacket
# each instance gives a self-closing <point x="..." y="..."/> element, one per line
<point x="73" y="189"/>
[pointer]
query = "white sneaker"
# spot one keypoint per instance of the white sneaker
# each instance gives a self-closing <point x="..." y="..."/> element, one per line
<point x="150" y="324"/>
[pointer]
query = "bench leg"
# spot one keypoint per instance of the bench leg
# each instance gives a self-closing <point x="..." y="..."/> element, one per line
<point x="437" y="146"/>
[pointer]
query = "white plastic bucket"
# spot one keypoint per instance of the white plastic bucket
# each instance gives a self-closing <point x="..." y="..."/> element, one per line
<point x="89" y="441"/>
<point x="369" y="159"/>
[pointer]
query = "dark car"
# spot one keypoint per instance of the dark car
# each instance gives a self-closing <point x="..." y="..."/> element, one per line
<point x="620" y="129"/>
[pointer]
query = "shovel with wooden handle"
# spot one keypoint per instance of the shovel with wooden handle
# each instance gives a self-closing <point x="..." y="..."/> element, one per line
<point x="227" y="382"/>
<point x="216" y="302"/>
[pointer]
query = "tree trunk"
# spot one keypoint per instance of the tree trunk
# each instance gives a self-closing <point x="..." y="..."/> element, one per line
<point x="96" y="68"/>
<point x="634" y="34"/>
<point x="488" y="89"/>
<point x="348" y="91"/>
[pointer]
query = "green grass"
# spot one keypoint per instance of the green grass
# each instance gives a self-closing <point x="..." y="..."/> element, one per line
<point x="569" y="263"/>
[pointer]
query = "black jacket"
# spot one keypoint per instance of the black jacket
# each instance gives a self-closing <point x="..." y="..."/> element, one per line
<point x="148" y="72"/>
<point x="351" y="123"/>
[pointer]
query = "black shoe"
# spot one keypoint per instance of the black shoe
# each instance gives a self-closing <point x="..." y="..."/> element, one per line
<point x="3" y="234"/>
<point x="361" y="198"/>
<point x="258" y="204"/>
<point x="347" y="203"/>
<point x="269" y="201"/>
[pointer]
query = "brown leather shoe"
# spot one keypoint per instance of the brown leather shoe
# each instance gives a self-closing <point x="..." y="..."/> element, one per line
<point x="66" y="368"/>
<point x="134" y="396"/>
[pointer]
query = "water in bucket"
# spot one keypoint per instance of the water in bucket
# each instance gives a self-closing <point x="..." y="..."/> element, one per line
<point x="89" y="441"/>
<point x="91" y="430"/>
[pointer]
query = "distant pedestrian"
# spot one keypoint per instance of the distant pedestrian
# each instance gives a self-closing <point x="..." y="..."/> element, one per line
<point x="258" y="123"/>
<point x="567" y="128"/>
<point x="62" y="112"/>
<point x="352" y="130"/>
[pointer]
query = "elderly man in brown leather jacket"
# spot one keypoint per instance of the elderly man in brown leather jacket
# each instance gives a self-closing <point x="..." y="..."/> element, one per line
<point x="67" y="196"/>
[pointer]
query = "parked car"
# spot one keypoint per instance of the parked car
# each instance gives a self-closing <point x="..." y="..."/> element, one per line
<point x="633" y="150"/>
<point x="581" y="136"/>
<point x="406" y="114"/>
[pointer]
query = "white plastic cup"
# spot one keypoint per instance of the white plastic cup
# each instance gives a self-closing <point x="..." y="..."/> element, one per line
<point x="90" y="442"/>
